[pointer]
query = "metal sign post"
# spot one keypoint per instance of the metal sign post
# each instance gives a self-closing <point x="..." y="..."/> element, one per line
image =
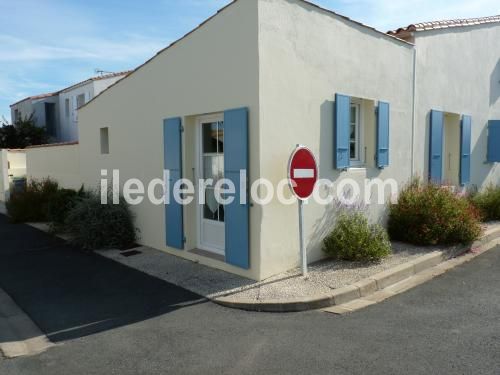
<point x="303" y="254"/>
<point x="302" y="178"/>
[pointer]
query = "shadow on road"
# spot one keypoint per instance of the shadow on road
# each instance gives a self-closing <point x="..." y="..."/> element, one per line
<point x="69" y="293"/>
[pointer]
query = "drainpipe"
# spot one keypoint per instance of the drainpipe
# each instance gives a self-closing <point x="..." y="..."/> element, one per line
<point x="413" y="109"/>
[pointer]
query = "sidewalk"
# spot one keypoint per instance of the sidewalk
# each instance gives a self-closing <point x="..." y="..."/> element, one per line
<point x="329" y="283"/>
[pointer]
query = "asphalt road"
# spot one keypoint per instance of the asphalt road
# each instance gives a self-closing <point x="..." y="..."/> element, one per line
<point x="450" y="325"/>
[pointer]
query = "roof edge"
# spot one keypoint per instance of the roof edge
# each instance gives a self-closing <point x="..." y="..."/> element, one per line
<point x="394" y="38"/>
<point x="444" y="25"/>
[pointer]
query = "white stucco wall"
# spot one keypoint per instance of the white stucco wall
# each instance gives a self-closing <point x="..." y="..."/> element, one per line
<point x="17" y="163"/>
<point x="212" y="69"/>
<point x="12" y="164"/>
<point x="68" y="125"/>
<point x="25" y="108"/>
<point x="458" y="71"/>
<point x="60" y="163"/>
<point x="306" y="56"/>
<point x="4" y="175"/>
<point x="102" y="84"/>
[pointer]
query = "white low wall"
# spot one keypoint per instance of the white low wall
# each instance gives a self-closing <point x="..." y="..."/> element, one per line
<point x="12" y="164"/>
<point x="4" y="176"/>
<point x="60" y="162"/>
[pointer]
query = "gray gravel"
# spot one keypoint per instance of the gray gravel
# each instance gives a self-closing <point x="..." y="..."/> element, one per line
<point x="323" y="276"/>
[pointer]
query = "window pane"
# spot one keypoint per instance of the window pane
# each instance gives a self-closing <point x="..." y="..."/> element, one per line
<point x="80" y="100"/>
<point x="212" y="209"/>
<point x="213" y="167"/>
<point x="353" y="150"/>
<point x="211" y="206"/>
<point x="209" y="134"/>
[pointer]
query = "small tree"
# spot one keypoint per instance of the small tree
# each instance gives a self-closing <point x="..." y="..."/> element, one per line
<point x="22" y="134"/>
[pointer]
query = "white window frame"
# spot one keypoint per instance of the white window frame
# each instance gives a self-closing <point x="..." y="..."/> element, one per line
<point x="201" y="221"/>
<point x="359" y="159"/>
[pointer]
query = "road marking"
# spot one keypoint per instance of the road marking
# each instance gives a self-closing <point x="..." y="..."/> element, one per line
<point x="19" y="335"/>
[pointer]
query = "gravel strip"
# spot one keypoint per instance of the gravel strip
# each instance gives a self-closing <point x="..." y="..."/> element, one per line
<point x="323" y="276"/>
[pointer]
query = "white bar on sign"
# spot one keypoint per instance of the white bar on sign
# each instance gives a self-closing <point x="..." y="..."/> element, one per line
<point x="303" y="173"/>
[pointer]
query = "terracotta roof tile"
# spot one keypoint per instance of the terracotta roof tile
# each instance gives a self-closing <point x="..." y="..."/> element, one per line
<point x="35" y="97"/>
<point x="445" y="24"/>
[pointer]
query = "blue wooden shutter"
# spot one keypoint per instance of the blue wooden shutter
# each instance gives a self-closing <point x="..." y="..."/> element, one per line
<point x="342" y="124"/>
<point x="236" y="214"/>
<point x="465" y="148"/>
<point x="383" y="121"/>
<point x="174" y="217"/>
<point x="436" y="147"/>
<point x="493" y="141"/>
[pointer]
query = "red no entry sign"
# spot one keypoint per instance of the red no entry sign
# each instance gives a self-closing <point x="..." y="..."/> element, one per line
<point x="302" y="172"/>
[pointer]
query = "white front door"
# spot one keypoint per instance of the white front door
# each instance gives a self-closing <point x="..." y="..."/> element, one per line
<point x="211" y="225"/>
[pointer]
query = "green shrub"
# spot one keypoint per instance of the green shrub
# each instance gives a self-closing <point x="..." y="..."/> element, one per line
<point x="60" y="205"/>
<point x="31" y="205"/>
<point x="354" y="239"/>
<point x="488" y="202"/>
<point x="433" y="215"/>
<point x="93" y="225"/>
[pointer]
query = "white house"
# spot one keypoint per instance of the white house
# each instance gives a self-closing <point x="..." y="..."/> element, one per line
<point x="44" y="109"/>
<point x="240" y="91"/>
<point x="75" y="96"/>
<point x="57" y="111"/>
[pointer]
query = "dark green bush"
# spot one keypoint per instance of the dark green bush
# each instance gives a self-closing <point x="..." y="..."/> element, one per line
<point x="31" y="205"/>
<point x="433" y="215"/>
<point x="354" y="239"/>
<point x="23" y="133"/>
<point x="93" y="225"/>
<point x="488" y="202"/>
<point x="59" y="206"/>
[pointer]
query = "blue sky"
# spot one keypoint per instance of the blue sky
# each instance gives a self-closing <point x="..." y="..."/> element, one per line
<point x="46" y="45"/>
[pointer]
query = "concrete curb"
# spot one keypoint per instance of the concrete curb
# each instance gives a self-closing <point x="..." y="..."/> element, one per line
<point x="19" y="336"/>
<point x="375" y="288"/>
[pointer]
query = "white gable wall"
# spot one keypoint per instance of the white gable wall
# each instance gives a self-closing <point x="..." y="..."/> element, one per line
<point x="213" y="69"/>
<point x="68" y="131"/>
<point x="306" y="56"/>
<point x="458" y="71"/>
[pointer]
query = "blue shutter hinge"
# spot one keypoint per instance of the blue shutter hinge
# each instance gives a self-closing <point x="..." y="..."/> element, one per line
<point x="182" y="129"/>
<point x="184" y="239"/>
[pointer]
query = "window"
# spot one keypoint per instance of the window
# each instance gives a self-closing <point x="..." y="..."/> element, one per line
<point x="80" y="100"/>
<point x="104" y="141"/>
<point x="355" y="133"/>
<point x="213" y="166"/>
<point x="66" y="107"/>
<point x="16" y="115"/>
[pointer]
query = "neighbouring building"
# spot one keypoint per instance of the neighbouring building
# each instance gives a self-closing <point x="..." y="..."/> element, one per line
<point x="44" y="109"/>
<point x="58" y="111"/>
<point x="240" y="91"/>
<point x="75" y="96"/>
